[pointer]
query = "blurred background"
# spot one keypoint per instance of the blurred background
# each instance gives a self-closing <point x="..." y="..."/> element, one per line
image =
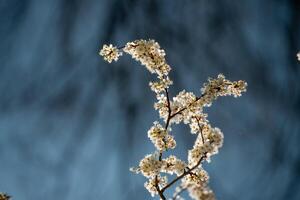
<point x="72" y="125"/>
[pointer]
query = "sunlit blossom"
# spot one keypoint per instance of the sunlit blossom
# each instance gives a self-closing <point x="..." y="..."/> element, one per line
<point x="185" y="107"/>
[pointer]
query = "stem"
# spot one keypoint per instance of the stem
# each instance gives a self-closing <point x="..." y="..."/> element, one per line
<point x="200" y="127"/>
<point x="170" y="116"/>
<point x="184" y="174"/>
<point x="122" y="47"/>
<point x="183" y="109"/>
<point x="160" y="192"/>
<point x="169" y="109"/>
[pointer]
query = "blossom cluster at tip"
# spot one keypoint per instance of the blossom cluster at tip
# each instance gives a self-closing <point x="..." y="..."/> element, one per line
<point x="4" y="196"/>
<point x="222" y="87"/>
<point x="110" y="53"/>
<point x="149" y="54"/>
<point x="184" y="107"/>
<point x="298" y="56"/>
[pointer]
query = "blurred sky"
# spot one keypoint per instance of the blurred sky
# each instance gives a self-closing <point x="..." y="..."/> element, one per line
<point x="72" y="125"/>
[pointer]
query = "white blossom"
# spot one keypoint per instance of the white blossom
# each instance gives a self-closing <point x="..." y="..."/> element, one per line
<point x="160" y="85"/>
<point x="221" y="87"/>
<point x="173" y="165"/>
<point x="162" y="106"/>
<point x="160" y="137"/>
<point x="149" y="54"/>
<point x="198" y="177"/>
<point x="150" y="185"/>
<point x="150" y="166"/>
<point x="198" y="122"/>
<point x="110" y="53"/>
<point x="184" y="107"/>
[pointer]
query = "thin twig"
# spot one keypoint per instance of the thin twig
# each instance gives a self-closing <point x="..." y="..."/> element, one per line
<point x="169" y="109"/>
<point x="184" y="174"/>
<point x="184" y="108"/>
<point x="160" y="192"/>
<point x="170" y="116"/>
<point x="200" y="127"/>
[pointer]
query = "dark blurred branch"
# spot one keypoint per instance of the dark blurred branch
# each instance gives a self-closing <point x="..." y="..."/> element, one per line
<point x="181" y="190"/>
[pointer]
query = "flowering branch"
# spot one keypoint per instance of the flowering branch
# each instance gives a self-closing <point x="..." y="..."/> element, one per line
<point x="184" y="107"/>
<point x="184" y="174"/>
<point x="160" y="192"/>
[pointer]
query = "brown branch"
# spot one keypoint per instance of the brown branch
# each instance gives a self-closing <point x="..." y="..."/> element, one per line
<point x="160" y="156"/>
<point x="170" y="116"/>
<point x="160" y="192"/>
<point x="184" y="108"/>
<point x="122" y="47"/>
<point x="200" y="127"/>
<point x="189" y="170"/>
<point x="169" y="109"/>
<point x="184" y="174"/>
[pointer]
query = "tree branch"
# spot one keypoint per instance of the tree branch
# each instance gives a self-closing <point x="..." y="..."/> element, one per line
<point x="170" y="116"/>
<point x="200" y="127"/>
<point x="169" y="109"/>
<point x="184" y="108"/>
<point x="184" y="174"/>
<point x="160" y="192"/>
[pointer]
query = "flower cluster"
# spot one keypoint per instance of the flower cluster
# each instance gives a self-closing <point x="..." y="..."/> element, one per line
<point x="4" y="196"/>
<point x="153" y="182"/>
<point x="208" y="142"/>
<point x="222" y="87"/>
<point x="184" y="107"/>
<point x="110" y="53"/>
<point x="150" y="55"/>
<point x="150" y="166"/>
<point x="160" y="137"/>
<point x="298" y="56"/>
<point x="173" y="165"/>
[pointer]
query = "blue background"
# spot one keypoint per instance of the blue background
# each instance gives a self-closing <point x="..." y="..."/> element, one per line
<point x="71" y="125"/>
